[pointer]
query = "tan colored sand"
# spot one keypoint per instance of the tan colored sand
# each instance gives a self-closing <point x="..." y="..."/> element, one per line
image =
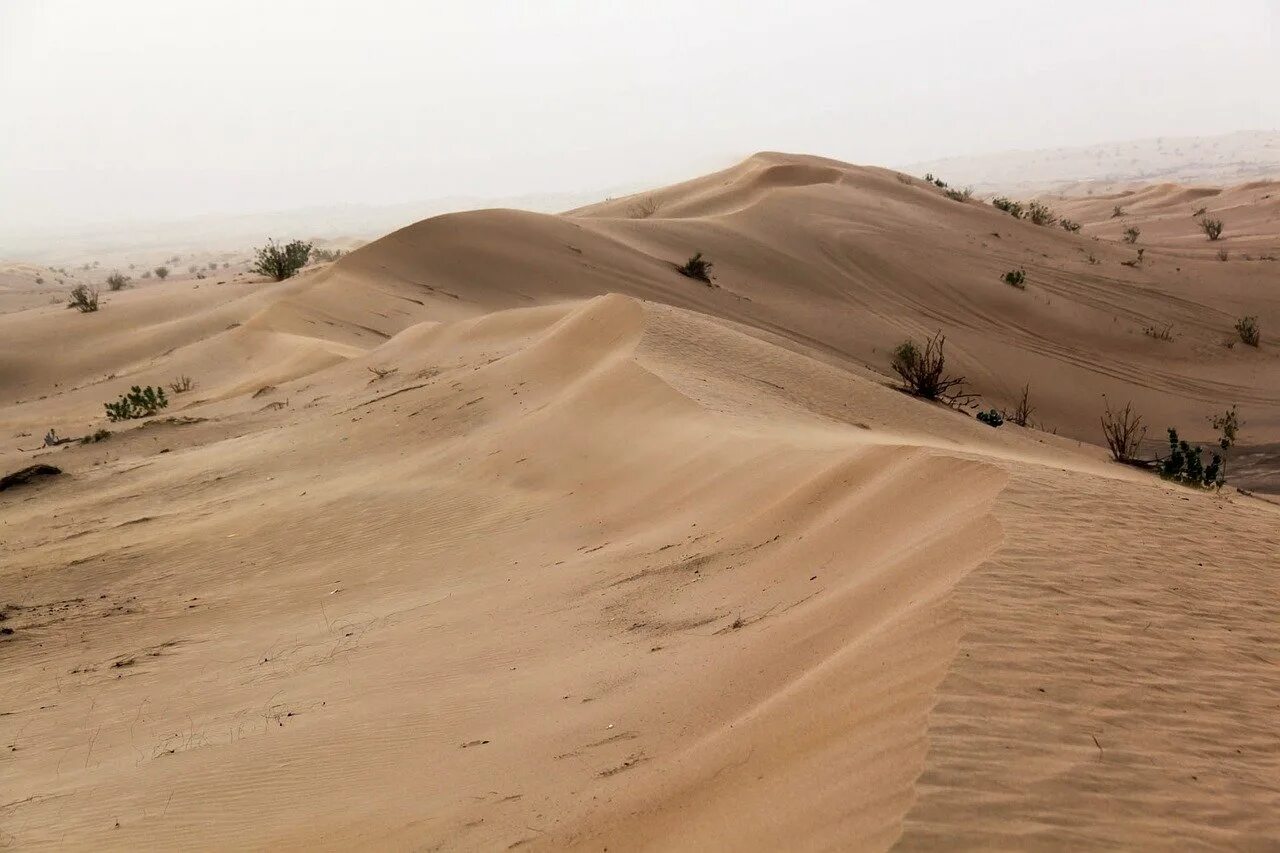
<point x="614" y="559"/>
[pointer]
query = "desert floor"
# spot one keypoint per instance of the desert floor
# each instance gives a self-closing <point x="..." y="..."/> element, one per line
<point x="499" y="532"/>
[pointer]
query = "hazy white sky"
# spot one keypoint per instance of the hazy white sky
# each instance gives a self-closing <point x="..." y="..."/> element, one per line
<point x="151" y="109"/>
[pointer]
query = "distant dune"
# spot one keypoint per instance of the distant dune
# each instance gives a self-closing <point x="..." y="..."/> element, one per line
<point x="499" y="533"/>
<point x="1233" y="158"/>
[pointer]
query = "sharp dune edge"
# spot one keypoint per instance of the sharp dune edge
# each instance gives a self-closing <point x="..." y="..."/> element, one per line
<point x="617" y="560"/>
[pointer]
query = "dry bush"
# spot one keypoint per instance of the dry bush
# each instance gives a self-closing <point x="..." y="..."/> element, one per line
<point x="1131" y="234"/>
<point x="1222" y="255"/>
<point x="1211" y="227"/>
<point x="162" y="273"/>
<point x="1021" y="414"/>
<point x="959" y="195"/>
<point x="182" y="384"/>
<point x="696" y="267"/>
<point x="1117" y="212"/>
<point x="117" y="281"/>
<point x="643" y="208"/>
<point x="1040" y="214"/>
<point x="1070" y="225"/>
<point x="1248" y="330"/>
<point x="1124" y="432"/>
<point x="1160" y="333"/>
<point x="83" y="298"/>
<point x="1013" y="208"/>
<point x="923" y="372"/>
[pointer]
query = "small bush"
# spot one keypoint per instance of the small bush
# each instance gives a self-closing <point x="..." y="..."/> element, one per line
<point x="117" y="281"/>
<point x="1013" y="208"/>
<point x="1117" y="212"/>
<point x="1227" y="424"/>
<point x="324" y="256"/>
<point x="138" y="403"/>
<point x="182" y="384"/>
<point x="1131" y="234"/>
<point x="1184" y="465"/>
<point x="1040" y="214"/>
<point x="1211" y="227"/>
<point x="83" y="298"/>
<point x="959" y="195"/>
<point x="696" y="267"/>
<point x="1200" y="212"/>
<point x="991" y="418"/>
<point x="1222" y="255"/>
<point x="1160" y="333"/>
<point x="937" y="182"/>
<point x="643" y="208"/>
<point x="1070" y="225"/>
<point x="1123" y="431"/>
<point x="1247" y="329"/>
<point x="100" y="435"/>
<point x="162" y="273"/>
<point x="146" y="273"/>
<point x="1016" y="278"/>
<point x="281" y="261"/>
<point x="923" y="372"/>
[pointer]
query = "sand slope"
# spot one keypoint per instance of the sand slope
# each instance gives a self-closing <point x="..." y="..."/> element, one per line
<point x="615" y="559"/>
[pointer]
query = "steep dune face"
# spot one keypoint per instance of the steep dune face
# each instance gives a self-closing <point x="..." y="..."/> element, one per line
<point x="500" y="532"/>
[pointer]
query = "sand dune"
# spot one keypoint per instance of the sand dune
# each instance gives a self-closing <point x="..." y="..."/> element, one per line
<point x="615" y="559"/>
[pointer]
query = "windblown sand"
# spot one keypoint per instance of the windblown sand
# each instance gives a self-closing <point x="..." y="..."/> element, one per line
<point x="612" y="559"/>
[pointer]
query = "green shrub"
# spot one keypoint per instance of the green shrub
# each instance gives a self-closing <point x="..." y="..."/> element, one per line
<point x="162" y="273"/>
<point x="923" y="372"/>
<point x="138" y="403"/>
<point x="83" y="298"/>
<point x="959" y="195"/>
<point x="1016" y="278"/>
<point x="696" y="267"/>
<point x="1013" y="208"/>
<point x="992" y="418"/>
<point x="1040" y="214"/>
<point x="282" y="261"/>
<point x="1184" y="465"/>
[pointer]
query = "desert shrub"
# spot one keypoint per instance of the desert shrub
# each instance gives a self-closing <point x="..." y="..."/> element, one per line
<point x="1016" y="278"/>
<point x="1211" y="227"/>
<point x="326" y="255"/>
<point x="162" y="273"/>
<point x="1021" y="414"/>
<point x="39" y="279"/>
<point x="1228" y="425"/>
<point x="100" y="435"/>
<point x="643" y="208"/>
<point x="1160" y="333"/>
<point x="959" y="195"/>
<point x="117" y="281"/>
<point x="696" y="267"/>
<point x="1131" y="234"/>
<point x="1070" y="225"/>
<point x="1222" y="255"/>
<point x="1201" y="212"/>
<point x="83" y="298"/>
<point x="937" y="182"/>
<point x="923" y="372"/>
<point x="138" y="403"/>
<point x="281" y="261"/>
<point x="1248" y="330"/>
<point x="1040" y="214"/>
<point x="1184" y="465"/>
<point x="992" y="418"/>
<point x="182" y="384"/>
<point x="146" y="273"/>
<point x="1013" y="208"/>
<point x="1123" y="431"/>
<point x="1117" y="212"/>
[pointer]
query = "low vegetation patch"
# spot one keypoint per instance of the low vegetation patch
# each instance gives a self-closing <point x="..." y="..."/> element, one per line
<point x="138" y="403"/>
<point x="100" y="435"/>
<point x="117" y="281"/>
<point x="1070" y="225"/>
<point x="924" y="371"/>
<point x="959" y="195"/>
<point x="991" y="418"/>
<point x="1131" y="234"/>
<point x="1211" y="227"/>
<point x="281" y="261"/>
<point x="1248" y="330"/>
<point x="1040" y="214"/>
<point x="182" y="384"/>
<point x="1009" y="206"/>
<point x="83" y="298"/>
<point x="1015" y="278"/>
<point x="1184" y="465"/>
<point x="696" y="267"/>
<point x="1160" y="333"/>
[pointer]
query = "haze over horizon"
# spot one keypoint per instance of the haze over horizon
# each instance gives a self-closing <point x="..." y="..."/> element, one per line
<point x="150" y="111"/>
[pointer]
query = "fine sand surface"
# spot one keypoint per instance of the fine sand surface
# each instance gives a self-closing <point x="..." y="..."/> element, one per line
<point x="500" y="533"/>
